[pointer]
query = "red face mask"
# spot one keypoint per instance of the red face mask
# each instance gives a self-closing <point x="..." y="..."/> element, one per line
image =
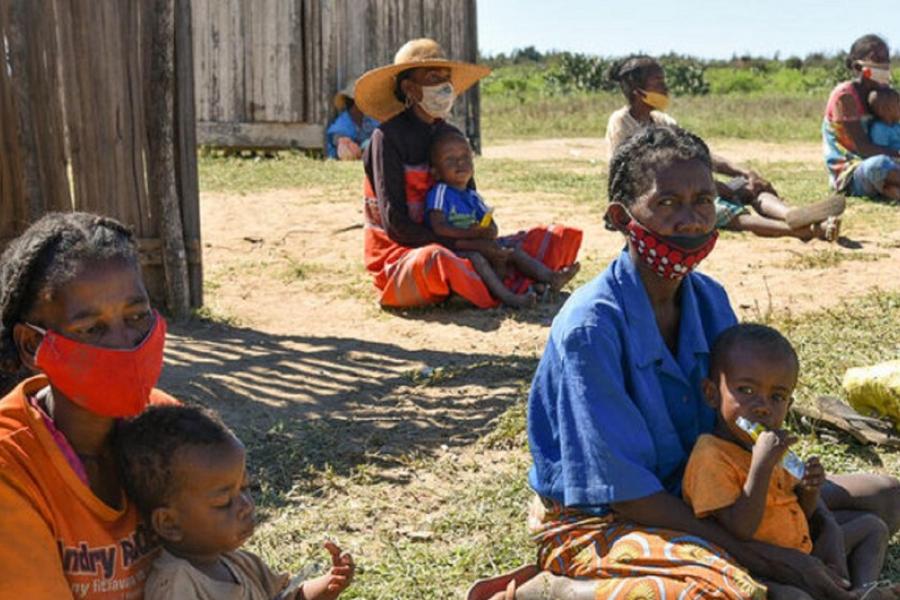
<point x="105" y="381"/>
<point x="671" y="257"/>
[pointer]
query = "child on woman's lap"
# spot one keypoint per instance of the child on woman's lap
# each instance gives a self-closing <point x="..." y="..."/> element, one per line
<point x="885" y="131"/>
<point x="454" y="211"/>
<point x="185" y="471"/>
<point x="744" y="487"/>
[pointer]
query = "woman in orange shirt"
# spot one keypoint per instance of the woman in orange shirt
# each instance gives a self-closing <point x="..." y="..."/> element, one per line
<point x="74" y="310"/>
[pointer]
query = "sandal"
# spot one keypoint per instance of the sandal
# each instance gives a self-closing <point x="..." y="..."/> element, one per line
<point x="801" y="216"/>
<point x="484" y="589"/>
<point x="841" y="416"/>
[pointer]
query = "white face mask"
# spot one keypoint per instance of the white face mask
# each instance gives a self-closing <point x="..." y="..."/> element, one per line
<point x="878" y="72"/>
<point x="437" y="100"/>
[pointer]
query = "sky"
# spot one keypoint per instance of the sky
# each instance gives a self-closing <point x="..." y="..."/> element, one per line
<point x="701" y="28"/>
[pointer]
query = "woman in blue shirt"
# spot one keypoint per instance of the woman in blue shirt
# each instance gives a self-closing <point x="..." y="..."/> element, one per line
<point x="615" y="408"/>
<point x="348" y="135"/>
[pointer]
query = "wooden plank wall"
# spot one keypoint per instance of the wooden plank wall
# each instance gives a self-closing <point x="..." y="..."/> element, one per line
<point x="73" y="121"/>
<point x="266" y="70"/>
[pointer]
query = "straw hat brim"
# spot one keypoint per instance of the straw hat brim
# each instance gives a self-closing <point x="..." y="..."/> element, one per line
<point x="340" y="98"/>
<point x="375" y="89"/>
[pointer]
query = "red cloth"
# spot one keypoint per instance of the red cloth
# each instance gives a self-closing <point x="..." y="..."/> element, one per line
<point x="409" y="277"/>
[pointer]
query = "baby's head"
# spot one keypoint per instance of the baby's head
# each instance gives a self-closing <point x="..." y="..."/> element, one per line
<point x="752" y="374"/>
<point x="186" y="472"/>
<point x="885" y="103"/>
<point x="451" y="160"/>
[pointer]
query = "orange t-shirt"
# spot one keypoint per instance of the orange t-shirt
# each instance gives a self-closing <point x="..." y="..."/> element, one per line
<point x="715" y="477"/>
<point x="57" y="539"/>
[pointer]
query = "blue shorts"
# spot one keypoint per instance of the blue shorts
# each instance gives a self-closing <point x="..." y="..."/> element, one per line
<point x="727" y="211"/>
<point x="868" y="177"/>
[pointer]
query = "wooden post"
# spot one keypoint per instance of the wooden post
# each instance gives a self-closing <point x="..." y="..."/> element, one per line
<point x="161" y="157"/>
<point x="186" y="136"/>
<point x="20" y="23"/>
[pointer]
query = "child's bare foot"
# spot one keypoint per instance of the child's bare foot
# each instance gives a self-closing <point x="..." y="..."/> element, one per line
<point x="563" y="276"/>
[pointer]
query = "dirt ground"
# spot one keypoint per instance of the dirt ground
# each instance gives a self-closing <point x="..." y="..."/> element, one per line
<point x="297" y="333"/>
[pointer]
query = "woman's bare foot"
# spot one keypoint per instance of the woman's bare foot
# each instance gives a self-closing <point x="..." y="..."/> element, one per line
<point x="563" y="276"/>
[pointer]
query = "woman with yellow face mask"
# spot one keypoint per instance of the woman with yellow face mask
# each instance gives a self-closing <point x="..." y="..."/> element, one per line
<point x="643" y="82"/>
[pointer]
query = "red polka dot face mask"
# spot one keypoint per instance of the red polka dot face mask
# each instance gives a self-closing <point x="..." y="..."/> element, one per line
<point x="670" y="257"/>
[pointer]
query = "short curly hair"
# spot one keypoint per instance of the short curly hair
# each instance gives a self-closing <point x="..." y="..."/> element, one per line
<point x="637" y="159"/>
<point x="147" y="445"/>
<point x="757" y="335"/>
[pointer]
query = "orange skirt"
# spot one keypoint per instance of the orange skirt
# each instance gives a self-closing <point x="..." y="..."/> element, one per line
<point x="409" y="277"/>
<point x="634" y="562"/>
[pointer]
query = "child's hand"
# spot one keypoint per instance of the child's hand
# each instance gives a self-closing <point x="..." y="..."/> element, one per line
<point x="338" y="578"/>
<point x="342" y="569"/>
<point x="813" y="474"/>
<point x="770" y="447"/>
<point x="486" y="233"/>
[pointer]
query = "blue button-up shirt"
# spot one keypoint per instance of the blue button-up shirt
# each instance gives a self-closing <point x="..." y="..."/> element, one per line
<point x="613" y="414"/>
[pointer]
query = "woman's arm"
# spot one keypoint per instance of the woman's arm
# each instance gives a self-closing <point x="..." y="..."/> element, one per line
<point x="847" y="113"/>
<point x="390" y="189"/>
<point x="788" y="566"/>
<point x="723" y="166"/>
<point x="864" y="145"/>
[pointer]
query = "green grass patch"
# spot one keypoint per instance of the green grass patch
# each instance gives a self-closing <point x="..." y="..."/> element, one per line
<point x="431" y="525"/>
<point x="286" y="170"/>
<point x="857" y="333"/>
<point x="774" y="117"/>
<point x="580" y="181"/>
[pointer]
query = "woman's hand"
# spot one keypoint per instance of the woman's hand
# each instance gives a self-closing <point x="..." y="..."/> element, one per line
<point x="757" y="184"/>
<point x="806" y="572"/>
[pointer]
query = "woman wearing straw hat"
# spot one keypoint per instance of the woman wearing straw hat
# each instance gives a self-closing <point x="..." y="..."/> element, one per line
<point x="348" y="135"/>
<point x="412" y="98"/>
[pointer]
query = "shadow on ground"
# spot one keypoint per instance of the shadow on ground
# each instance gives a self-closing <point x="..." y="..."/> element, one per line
<point x="457" y="311"/>
<point x="305" y="405"/>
